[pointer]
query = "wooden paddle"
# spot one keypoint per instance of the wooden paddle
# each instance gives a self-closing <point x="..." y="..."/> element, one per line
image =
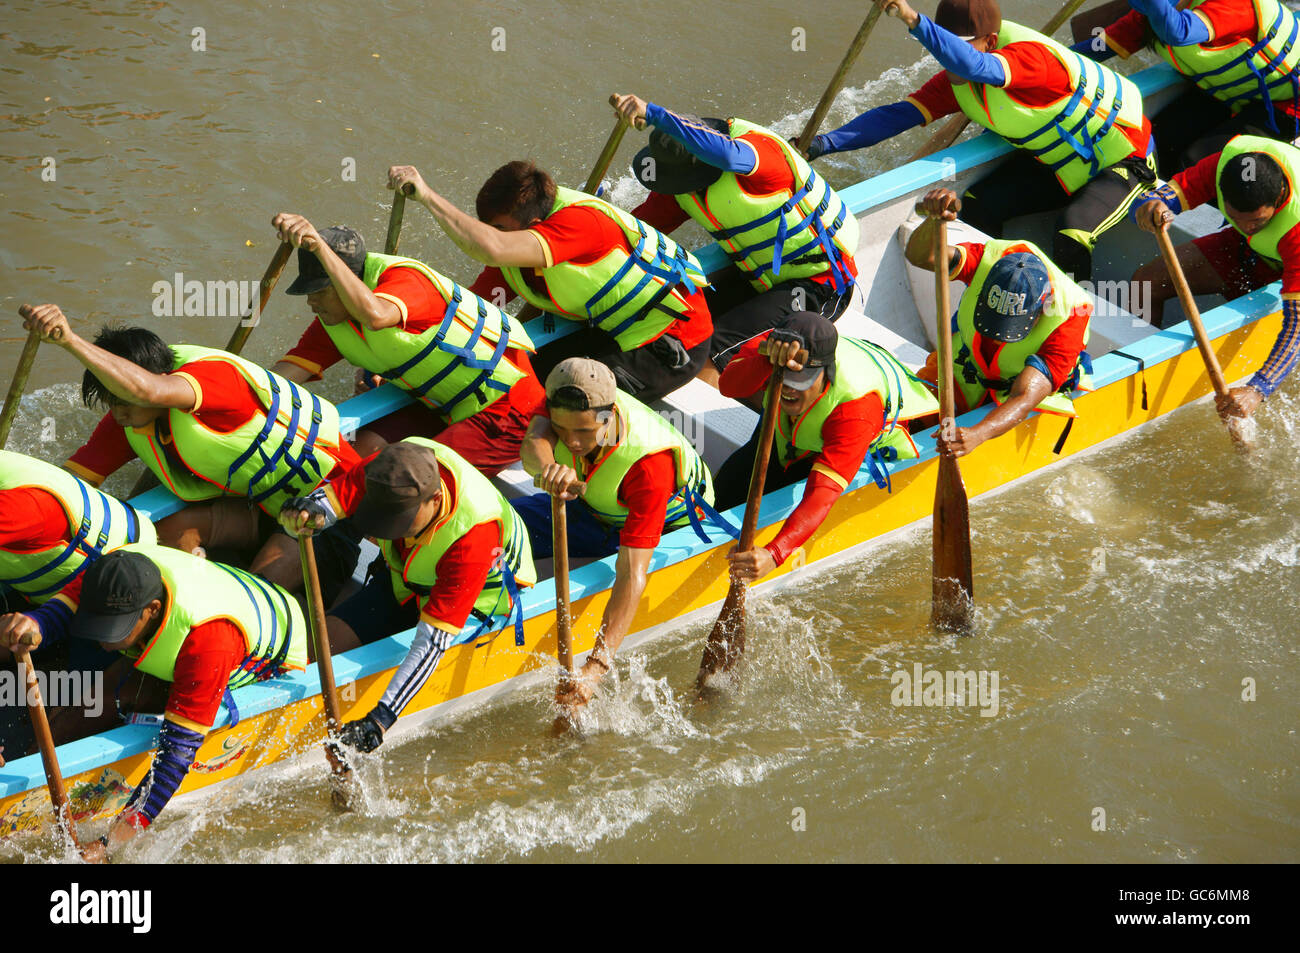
<point x="45" y="740"/>
<point x="837" y="81"/>
<point x="726" y="641"/>
<point x="1235" y="425"/>
<point x="563" y="619"/>
<point x="395" y="221"/>
<point x="340" y="772"/>
<point x="269" y="279"/>
<point x="952" y="597"/>
<point x="954" y="127"/>
<point x="18" y="384"/>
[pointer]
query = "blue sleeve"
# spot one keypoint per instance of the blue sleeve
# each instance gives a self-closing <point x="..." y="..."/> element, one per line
<point x="1164" y="193"/>
<point x="1286" y="351"/>
<point x="177" y="748"/>
<point x="875" y="125"/>
<point x="704" y="142"/>
<point x="1171" y="25"/>
<point x="53" y="617"/>
<point x="957" y="55"/>
<point x="1088" y="48"/>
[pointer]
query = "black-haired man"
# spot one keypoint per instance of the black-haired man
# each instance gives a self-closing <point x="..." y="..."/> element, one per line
<point x="209" y="425"/>
<point x="1252" y="182"/>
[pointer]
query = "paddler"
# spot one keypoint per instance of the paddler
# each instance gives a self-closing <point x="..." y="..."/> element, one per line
<point x="643" y="478"/>
<point x="202" y="626"/>
<point x="789" y="235"/>
<point x="463" y="357"/>
<point x="1027" y="88"/>
<point x="53" y="526"/>
<point x="847" y="404"/>
<point x="1018" y="335"/>
<point x="451" y="548"/>
<point x="1253" y="183"/>
<point x="1243" y="57"/>
<point x="583" y="259"/>
<point x="202" y="421"/>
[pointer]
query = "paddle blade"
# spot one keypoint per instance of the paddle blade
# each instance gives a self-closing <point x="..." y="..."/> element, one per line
<point x="953" y="600"/>
<point x="726" y="642"/>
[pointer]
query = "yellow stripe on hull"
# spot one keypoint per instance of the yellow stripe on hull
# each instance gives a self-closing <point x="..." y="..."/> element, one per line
<point x="672" y="591"/>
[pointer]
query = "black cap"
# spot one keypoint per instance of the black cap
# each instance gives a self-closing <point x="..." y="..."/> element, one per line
<point x="117" y="587"/>
<point x="818" y="336"/>
<point x="346" y="243"/>
<point x="665" y="165"/>
<point x="401" y="479"/>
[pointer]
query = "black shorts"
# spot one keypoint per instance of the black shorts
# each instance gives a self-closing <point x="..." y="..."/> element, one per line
<point x="740" y="313"/>
<point x="1196" y="125"/>
<point x="643" y="373"/>
<point x="374" y="612"/>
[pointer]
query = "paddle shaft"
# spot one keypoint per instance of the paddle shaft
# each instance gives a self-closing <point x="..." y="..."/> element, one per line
<point x="951" y="590"/>
<point x="1082" y="27"/>
<point x="726" y="641"/>
<point x="563" y="619"/>
<point x="18" y="384"/>
<point x="606" y="156"/>
<point x="45" y="741"/>
<point x="1193" y="313"/>
<point x="324" y="661"/>
<point x="837" y="81"/>
<point x="395" y="222"/>
<point x="953" y="128"/>
<point x="269" y="279"/>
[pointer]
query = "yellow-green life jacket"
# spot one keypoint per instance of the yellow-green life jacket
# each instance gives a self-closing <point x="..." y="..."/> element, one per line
<point x="635" y="433"/>
<point x="96" y="524"/>
<point x="635" y="297"/>
<point x="474" y="502"/>
<point x="785" y="236"/>
<point x="974" y="378"/>
<point x="201" y="590"/>
<point x="1077" y="136"/>
<point x="861" y="368"/>
<point x="1243" y="72"/>
<point x="458" y="366"/>
<point x="1264" y="242"/>
<point x="285" y="450"/>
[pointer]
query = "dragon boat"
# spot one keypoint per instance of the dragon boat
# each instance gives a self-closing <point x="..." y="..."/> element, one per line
<point x="1139" y="374"/>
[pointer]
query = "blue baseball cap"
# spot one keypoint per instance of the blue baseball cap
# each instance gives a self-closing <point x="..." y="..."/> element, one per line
<point x="1013" y="296"/>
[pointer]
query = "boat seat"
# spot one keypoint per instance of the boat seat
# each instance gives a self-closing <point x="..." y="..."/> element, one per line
<point x="514" y="482"/>
<point x="715" y="425"/>
<point x="854" y="323"/>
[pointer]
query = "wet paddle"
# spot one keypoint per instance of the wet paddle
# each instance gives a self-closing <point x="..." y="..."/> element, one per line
<point x="837" y="81"/>
<point x="726" y="641"/>
<point x="45" y="740"/>
<point x="563" y="620"/>
<point x="1238" y="427"/>
<point x="954" y="127"/>
<point x="18" y="384"/>
<point x="340" y="772"/>
<point x="952" y="601"/>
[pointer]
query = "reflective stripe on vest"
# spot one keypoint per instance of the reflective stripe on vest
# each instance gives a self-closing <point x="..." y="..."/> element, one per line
<point x="455" y="367"/>
<point x="96" y="524"/>
<point x="861" y="368"/>
<point x="200" y="591"/>
<point x="1077" y="138"/>
<point x="476" y="501"/>
<point x="285" y="450"/>
<point x="974" y="378"/>
<point x="1261" y="71"/>
<point x="640" y="432"/>
<point x="1264" y="242"/>
<point x="813" y="213"/>
<point x="633" y="297"/>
